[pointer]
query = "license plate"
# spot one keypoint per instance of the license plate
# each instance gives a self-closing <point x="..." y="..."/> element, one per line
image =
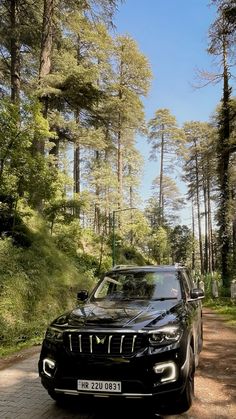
<point x="103" y="386"/>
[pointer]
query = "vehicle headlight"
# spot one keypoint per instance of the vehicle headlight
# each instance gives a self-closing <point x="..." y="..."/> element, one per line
<point x="165" y="335"/>
<point x="54" y="334"/>
<point x="62" y="320"/>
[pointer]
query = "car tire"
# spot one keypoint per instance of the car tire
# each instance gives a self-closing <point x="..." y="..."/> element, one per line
<point x="60" y="399"/>
<point x="185" y="399"/>
<point x="199" y="346"/>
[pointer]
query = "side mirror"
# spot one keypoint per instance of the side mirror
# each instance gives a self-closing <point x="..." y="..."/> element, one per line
<point x="82" y="295"/>
<point x="197" y="294"/>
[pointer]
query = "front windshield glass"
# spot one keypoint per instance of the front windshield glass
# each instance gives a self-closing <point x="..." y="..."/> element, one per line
<point x="139" y="285"/>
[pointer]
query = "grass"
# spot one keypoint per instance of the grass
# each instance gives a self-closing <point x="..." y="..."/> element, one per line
<point x="37" y="284"/>
<point x="225" y="307"/>
<point x="6" y="351"/>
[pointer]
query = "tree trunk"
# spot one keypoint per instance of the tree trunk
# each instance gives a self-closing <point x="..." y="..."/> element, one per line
<point x="223" y="170"/>
<point x="96" y="222"/>
<point x="77" y="146"/>
<point x="45" y="61"/>
<point x="119" y="141"/>
<point x="161" y="198"/>
<point x="210" y="236"/>
<point x="97" y="211"/>
<point x="233" y="196"/>
<point x="206" y="247"/>
<point x="77" y="158"/>
<point x="47" y="37"/>
<point x="15" y="52"/>
<point x="77" y="188"/>
<point x="199" y="211"/>
<point x="234" y="246"/>
<point x="120" y="169"/>
<point x="193" y="235"/>
<point x="107" y="227"/>
<point x="131" y="204"/>
<point x="120" y="160"/>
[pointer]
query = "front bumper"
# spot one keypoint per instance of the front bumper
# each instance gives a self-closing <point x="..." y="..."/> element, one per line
<point x="136" y="374"/>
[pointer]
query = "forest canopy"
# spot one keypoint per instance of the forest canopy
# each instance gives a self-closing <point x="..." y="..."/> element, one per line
<point x="71" y="106"/>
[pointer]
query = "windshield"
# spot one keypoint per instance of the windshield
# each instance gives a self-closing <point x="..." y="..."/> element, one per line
<point x="139" y="285"/>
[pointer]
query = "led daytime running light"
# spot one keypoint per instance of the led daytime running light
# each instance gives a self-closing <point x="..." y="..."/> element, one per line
<point x="168" y="371"/>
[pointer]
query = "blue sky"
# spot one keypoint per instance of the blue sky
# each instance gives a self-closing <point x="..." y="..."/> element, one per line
<point x="173" y="36"/>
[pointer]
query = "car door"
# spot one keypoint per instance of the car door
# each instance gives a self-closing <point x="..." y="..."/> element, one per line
<point x="195" y="308"/>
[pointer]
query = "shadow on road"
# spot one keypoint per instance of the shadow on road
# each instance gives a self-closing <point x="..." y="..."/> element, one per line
<point x="98" y="409"/>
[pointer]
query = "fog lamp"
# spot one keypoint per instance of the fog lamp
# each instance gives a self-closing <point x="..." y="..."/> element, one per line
<point x="49" y="367"/>
<point x="167" y="370"/>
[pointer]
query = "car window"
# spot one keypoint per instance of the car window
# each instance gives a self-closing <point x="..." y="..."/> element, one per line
<point x="139" y="285"/>
<point x="108" y="286"/>
<point x="167" y="286"/>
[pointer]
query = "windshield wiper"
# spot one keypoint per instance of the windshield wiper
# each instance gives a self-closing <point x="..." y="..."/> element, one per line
<point x="164" y="298"/>
<point x="128" y="299"/>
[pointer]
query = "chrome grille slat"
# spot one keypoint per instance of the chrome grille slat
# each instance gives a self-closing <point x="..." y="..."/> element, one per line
<point x="133" y="343"/>
<point x="121" y="343"/>
<point x="109" y="344"/>
<point x="91" y="343"/>
<point x="80" y="343"/>
<point x="102" y="343"/>
<point x="70" y="342"/>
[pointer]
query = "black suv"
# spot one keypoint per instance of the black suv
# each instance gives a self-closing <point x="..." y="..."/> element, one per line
<point x="137" y="335"/>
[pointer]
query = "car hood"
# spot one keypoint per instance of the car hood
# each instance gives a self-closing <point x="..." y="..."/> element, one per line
<point x="133" y="315"/>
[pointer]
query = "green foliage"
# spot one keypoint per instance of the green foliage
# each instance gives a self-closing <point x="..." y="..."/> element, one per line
<point x="208" y="280"/>
<point x="68" y="237"/>
<point x="64" y="211"/>
<point x="129" y="255"/>
<point x="15" y="141"/>
<point x="21" y="173"/>
<point x="172" y="200"/>
<point x="90" y="90"/>
<point x="90" y="264"/>
<point x="222" y="44"/>
<point x="165" y="135"/>
<point x="224" y="306"/>
<point x="159" y="247"/>
<point x="36" y="285"/>
<point x="181" y="243"/>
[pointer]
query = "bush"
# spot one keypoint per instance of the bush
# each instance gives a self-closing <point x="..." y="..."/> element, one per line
<point x="36" y="285"/>
<point x="67" y="237"/>
<point x="129" y="255"/>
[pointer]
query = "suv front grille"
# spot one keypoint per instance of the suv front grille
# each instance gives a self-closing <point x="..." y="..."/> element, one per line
<point x="101" y="343"/>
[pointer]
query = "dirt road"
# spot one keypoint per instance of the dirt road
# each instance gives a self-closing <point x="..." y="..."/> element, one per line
<point x="22" y="396"/>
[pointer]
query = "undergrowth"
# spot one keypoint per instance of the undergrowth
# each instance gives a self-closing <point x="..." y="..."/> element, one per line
<point x="36" y="285"/>
<point x="224" y="306"/>
<point x="40" y="275"/>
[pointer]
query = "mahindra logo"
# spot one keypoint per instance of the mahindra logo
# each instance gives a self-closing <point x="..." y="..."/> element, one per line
<point x="100" y="340"/>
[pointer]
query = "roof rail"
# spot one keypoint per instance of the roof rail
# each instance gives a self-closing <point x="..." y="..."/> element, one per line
<point x="123" y="266"/>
